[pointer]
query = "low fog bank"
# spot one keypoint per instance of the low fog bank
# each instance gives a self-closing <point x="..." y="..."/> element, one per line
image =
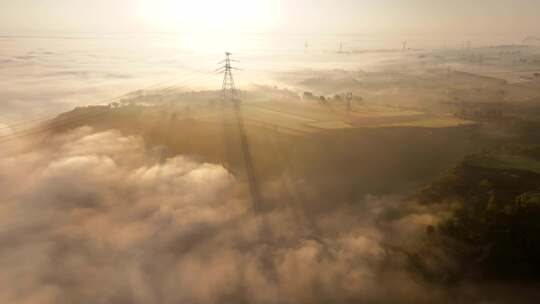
<point x="101" y="218"/>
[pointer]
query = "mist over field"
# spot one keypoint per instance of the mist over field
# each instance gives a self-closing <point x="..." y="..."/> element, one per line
<point x="46" y="73"/>
<point x="100" y="218"/>
<point x="269" y="151"/>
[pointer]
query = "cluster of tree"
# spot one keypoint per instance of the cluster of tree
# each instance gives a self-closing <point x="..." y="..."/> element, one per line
<point x="494" y="218"/>
<point x="336" y="98"/>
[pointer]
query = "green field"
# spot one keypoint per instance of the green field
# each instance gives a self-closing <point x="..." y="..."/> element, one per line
<point x="507" y="162"/>
<point x="433" y="122"/>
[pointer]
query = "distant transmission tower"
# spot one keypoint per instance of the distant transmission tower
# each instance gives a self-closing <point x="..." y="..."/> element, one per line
<point x="229" y="93"/>
<point x="348" y="98"/>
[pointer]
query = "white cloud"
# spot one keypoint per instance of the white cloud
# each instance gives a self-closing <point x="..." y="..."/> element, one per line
<point x="97" y="214"/>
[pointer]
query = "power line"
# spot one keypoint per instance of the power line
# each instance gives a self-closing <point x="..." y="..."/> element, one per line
<point x="55" y="123"/>
<point x="80" y="117"/>
<point x="106" y="100"/>
<point x="44" y="128"/>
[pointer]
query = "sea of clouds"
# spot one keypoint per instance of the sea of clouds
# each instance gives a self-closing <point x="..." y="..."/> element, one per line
<point x="99" y="217"/>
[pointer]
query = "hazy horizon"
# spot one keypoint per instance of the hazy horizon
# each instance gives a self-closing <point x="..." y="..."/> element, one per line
<point x="412" y="17"/>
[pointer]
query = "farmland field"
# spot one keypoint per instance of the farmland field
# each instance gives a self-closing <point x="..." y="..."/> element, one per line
<point x="289" y="116"/>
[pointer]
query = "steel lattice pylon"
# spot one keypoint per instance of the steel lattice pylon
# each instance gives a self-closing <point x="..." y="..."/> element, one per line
<point x="230" y="96"/>
<point x="228" y="88"/>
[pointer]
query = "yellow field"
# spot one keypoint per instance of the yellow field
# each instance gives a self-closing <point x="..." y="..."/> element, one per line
<point x="298" y="118"/>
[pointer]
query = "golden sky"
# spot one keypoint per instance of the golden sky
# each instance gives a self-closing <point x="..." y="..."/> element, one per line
<point x="299" y="16"/>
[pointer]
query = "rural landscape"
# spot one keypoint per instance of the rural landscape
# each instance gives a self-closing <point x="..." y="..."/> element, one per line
<point x="316" y="171"/>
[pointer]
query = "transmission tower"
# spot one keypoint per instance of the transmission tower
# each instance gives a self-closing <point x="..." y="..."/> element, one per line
<point x="228" y="89"/>
<point x="230" y="96"/>
<point x="348" y="98"/>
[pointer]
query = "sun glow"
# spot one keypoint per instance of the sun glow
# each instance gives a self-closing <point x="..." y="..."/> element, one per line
<point x="213" y="15"/>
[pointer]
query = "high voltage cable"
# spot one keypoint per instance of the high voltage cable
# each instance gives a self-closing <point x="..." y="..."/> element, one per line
<point x="44" y="128"/>
<point x="53" y="115"/>
<point x="54" y="124"/>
